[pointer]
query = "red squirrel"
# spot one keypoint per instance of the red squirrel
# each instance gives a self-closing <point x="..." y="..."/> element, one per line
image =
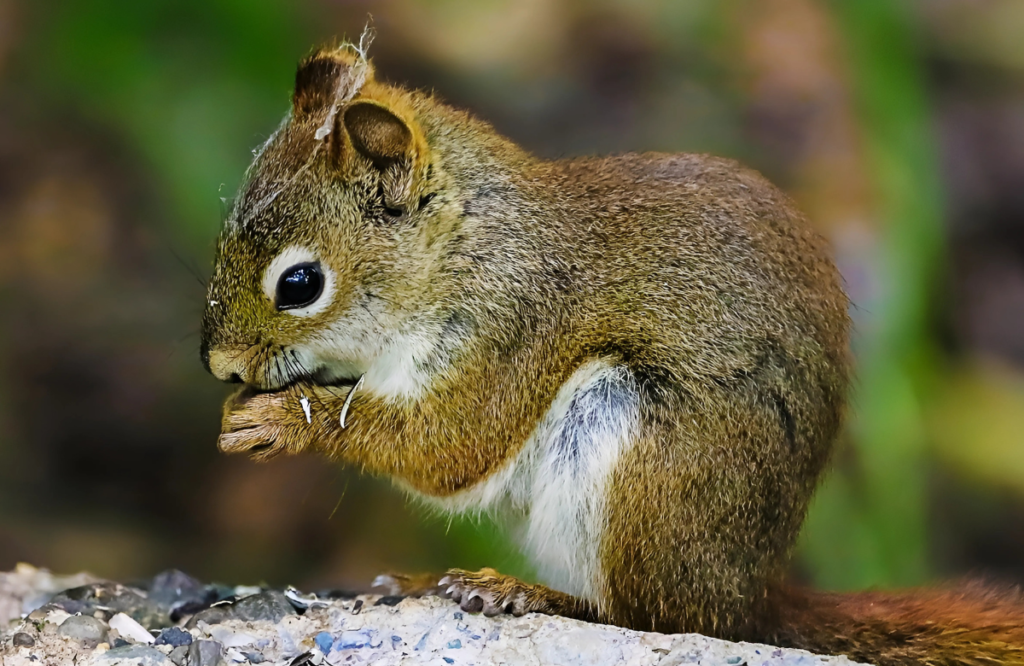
<point x="642" y="360"/>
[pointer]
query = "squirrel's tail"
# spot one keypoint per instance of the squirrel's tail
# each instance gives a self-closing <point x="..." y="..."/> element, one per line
<point x="970" y="625"/>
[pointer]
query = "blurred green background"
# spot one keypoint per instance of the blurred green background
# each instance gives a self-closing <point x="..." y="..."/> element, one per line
<point x="899" y="126"/>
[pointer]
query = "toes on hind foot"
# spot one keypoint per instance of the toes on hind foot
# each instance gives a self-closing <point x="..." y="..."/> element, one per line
<point x="486" y="592"/>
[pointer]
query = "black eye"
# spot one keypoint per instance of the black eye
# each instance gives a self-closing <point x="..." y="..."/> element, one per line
<point x="299" y="286"/>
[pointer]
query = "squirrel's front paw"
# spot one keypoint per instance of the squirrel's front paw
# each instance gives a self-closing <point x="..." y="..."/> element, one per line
<point x="491" y="593"/>
<point x="261" y="424"/>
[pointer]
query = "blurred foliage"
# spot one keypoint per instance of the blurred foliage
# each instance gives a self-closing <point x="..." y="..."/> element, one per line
<point x="894" y="124"/>
<point x="869" y="522"/>
<point x="191" y="85"/>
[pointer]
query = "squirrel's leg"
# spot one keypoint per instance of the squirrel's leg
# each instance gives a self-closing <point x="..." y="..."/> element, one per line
<point x="702" y="511"/>
<point x="492" y="593"/>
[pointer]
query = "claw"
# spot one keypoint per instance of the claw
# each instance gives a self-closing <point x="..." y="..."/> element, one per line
<point x="473" y="603"/>
<point x="447" y="580"/>
<point x="491" y="609"/>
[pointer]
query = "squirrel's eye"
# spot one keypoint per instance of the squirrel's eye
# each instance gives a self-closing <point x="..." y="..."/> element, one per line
<point x="299" y="286"/>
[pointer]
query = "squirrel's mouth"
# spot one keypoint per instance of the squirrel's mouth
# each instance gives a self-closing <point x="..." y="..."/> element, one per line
<point x="291" y="373"/>
<point x="250" y="391"/>
<point x="326" y="377"/>
<point x="319" y="378"/>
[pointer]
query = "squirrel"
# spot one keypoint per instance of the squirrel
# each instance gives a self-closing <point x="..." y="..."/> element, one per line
<point x="641" y="360"/>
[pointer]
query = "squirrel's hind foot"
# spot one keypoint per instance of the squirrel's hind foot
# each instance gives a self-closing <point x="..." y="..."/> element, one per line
<point x="491" y="593"/>
<point x="409" y="585"/>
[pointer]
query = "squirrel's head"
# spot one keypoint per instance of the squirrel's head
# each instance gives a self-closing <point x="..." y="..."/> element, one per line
<point x="333" y="240"/>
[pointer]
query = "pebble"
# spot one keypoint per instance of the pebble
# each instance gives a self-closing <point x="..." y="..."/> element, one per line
<point x="22" y="639"/>
<point x="137" y="655"/>
<point x="84" y="629"/>
<point x="205" y="653"/>
<point x="271" y="605"/>
<point x="303" y="602"/>
<point x="354" y="639"/>
<point x="173" y="588"/>
<point x="174" y="637"/>
<point x="324" y="641"/>
<point x="212" y="615"/>
<point x="113" y="597"/>
<point x="179" y="655"/>
<point x="129" y="628"/>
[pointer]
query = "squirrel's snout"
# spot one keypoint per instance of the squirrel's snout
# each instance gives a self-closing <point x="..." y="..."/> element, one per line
<point x="225" y="366"/>
<point x="255" y="365"/>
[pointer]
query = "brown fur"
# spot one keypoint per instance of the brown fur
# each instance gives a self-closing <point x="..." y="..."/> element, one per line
<point x="695" y="274"/>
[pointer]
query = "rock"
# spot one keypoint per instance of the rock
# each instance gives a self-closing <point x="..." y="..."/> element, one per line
<point x="179" y="655"/>
<point x="85" y="629"/>
<point x="205" y="653"/>
<point x="303" y="602"/>
<point x="174" y="637"/>
<point x="27" y="588"/>
<point x="52" y="618"/>
<point x="130" y="629"/>
<point x="212" y="615"/>
<point x="115" y="598"/>
<point x="22" y="639"/>
<point x="172" y="589"/>
<point x="137" y="655"/>
<point x="264" y="628"/>
<point x="272" y="606"/>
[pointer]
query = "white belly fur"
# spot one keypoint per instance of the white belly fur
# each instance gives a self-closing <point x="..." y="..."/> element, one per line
<point x="558" y="481"/>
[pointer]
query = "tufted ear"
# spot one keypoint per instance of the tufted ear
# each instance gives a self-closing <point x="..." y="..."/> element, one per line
<point x="378" y="134"/>
<point x="326" y="76"/>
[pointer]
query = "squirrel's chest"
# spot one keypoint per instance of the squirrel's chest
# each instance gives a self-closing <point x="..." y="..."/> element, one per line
<point x="558" y="482"/>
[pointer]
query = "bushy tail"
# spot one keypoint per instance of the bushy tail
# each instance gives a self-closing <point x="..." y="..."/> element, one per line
<point x="971" y="625"/>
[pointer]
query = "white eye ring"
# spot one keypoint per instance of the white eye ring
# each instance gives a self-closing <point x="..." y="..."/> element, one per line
<point x="291" y="256"/>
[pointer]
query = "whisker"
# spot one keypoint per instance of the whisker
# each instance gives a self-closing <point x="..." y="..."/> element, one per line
<point x="340" y="497"/>
<point x="176" y="346"/>
<point x="264" y="351"/>
<point x="277" y="365"/>
<point x="380" y="298"/>
<point x="299" y="376"/>
<point x="192" y="269"/>
<point x="372" y="316"/>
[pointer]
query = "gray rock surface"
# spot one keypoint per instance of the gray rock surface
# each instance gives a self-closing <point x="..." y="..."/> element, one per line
<point x="85" y="629"/>
<point x="362" y="630"/>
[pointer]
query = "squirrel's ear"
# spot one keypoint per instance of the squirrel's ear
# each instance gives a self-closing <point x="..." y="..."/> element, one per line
<point x="326" y="75"/>
<point x="378" y="134"/>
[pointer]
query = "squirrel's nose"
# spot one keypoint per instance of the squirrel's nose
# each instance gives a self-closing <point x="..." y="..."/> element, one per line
<point x="225" y="366"/>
